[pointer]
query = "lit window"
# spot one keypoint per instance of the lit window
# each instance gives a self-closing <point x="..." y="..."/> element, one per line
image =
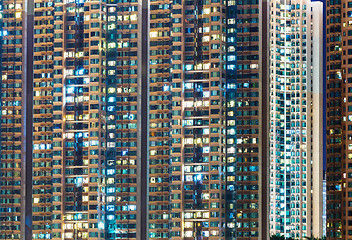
<point x="111" y="26"/>
<point x="188" y="224"/>
<point x="206" y="11"/>
<point x="70" y="99"/>
<point x="189" y="178"/>
<point x="206" y="39"/>
<point x="110" y="217"/>
<point x="112" y="99"/>
<point x="134" y="17"/>
<point x="68" y="235"/>
<point x="153" y="34"/>
<point x="189" y="67"/>
<point x="110" y="172"/>
<point x="111" y="144"/>
<point x="132" y="207"/>
<point x="205" y="196"/>
<point x="70" y="117"/>
<point x="70" y="89"/>
<point x="112" y="45"/>
<point x="111" y="189"/>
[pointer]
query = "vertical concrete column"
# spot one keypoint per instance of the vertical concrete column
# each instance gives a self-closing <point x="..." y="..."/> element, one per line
<point x="264" y="120"/>
<point x="27" y="120"/>
<point x="317" y="120"/>
<point x="143" y="120"/>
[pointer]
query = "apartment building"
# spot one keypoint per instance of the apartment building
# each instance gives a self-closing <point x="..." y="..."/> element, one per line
<point x="134" y="119"/>
<point x="296" y="118"/>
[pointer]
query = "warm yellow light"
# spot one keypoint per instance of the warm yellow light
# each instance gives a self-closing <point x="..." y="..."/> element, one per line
<point x="153" y="34"/>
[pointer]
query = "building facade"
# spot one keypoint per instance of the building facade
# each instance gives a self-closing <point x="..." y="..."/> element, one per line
<point x="296" y="119"/>
<point x="53" y="116"/>
<point x="134" y="120"/>
<point x="78" y="120"/>
<point x="335" y="156"/>
<point x="13" y="110"/>
<point x="338" y="87"/>
<point x="198" y="133"/>
<point x="252" y="114"/>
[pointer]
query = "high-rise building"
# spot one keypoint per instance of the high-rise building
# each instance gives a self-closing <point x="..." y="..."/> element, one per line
<point x="53" y="120"/>
<point x="336" y="163"/>
<point x="78" y="121"/>
<point x="337" y="101"/>
<point x="138" y="119"/>
<point x="198" y="133"/>
<point x="252" y="114"/>
<point x="134" y="119"/>
<point x="338" y="119"/>
<point x="198" y="177"/>
<point x="123" y="102"/>
<point x="38" y="115"/>
<point x="16" y="161"/>
<point x="296" y="118"/>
